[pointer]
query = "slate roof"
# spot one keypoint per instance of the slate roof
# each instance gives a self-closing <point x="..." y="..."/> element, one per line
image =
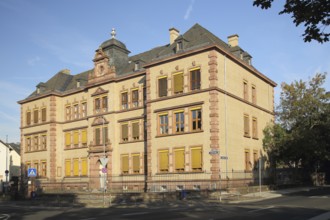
<point x="196" y="37"/>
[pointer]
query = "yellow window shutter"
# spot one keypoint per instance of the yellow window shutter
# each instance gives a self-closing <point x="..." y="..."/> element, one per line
<point x="67" y="138"/>
<point x="125" y="166"/>
<point x="179" y="159"/>
<point x="76" y="167"/>
<point x="178" y="83"/>
<point x="84" y="167"/>
<point x="196" y="158"/>
<point x="163" y="161"/>
<point x="136" y="163"/>
<point x="135" y="129"/>
<point x="75" y="137"/>
<point x="68" y="167"/>
<point x="124" y="128"/>
<point x="84" y="136"/>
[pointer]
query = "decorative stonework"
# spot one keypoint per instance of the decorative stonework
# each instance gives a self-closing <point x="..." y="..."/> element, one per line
<point x="148" y="128"/>
<point x="52" y="137"/>
<point x="214" y="116"/>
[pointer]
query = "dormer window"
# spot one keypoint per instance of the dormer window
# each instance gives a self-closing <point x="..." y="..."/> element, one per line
<point x="179" y="46"/>
<point x="137" y="66"/>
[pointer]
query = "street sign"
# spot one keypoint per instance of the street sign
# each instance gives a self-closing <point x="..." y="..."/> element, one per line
<point x="213" y="152"/>
<point x="32" y="172"/>
<point x="104" y="161"/>
<point x="223" y="157"/>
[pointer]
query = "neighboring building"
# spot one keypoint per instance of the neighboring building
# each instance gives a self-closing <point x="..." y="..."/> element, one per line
<point x="10" y="161"/>
<point x="159" y="117"/>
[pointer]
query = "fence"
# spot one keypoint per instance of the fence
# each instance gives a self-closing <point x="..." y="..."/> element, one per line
<point x="167" y="182"/>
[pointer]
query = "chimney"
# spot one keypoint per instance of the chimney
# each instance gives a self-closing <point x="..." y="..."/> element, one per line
<point x="233" y="40"/>
<point x="174" y="33"/>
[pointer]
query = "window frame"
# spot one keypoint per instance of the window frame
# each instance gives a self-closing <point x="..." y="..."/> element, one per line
<point x="124" y="100"/>
<point x="163" y="168"/>
<point x="163" y="125"/>
<point x="195" y="81"/>
<point x="179" y="166"/>
<point x="179" y="124"/>
<point x="198" y="121"/>
<point x="135" y="98"/>
<point x="246" y="125"/>
<point x="176" y="89"/>
<point x="162" y="87"/>
<point x="196" y="166"/>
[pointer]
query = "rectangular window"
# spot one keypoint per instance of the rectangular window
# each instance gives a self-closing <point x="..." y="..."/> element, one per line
<point x="124" y="164"/>
<point x="195" y="79"/>
<point x="163" y="124"/>
<point x="254" y="95"/>
<point x="76" y="167"/>
<point x="28" y="118"/>
<point x="163" y="161"/>
<point x="162" y="87"/>
<point x="36" y="143"/>
<point x="247" y="160"/>
<point x="43" y="168"/>
<point x="84" y="137"/>
<point x="97" y="105"/>
<point x="196" y="159"/>
<point x="124" y="132"/>
<point x="254" y="128"/>
<point x="75" y="111"/>
<point x="245" y="91"/>
<point x="44" y="142"/>
<point x="84" y="109"/>
<point x="136" y="163"/>
<point x="68" y="167"/>
<point x="196" y="119"/>
<point x="179" y="160"/>
<point x="97" y="136"/>
<point x="35" y="116"/>
<point x="105" y="103"/>
<point x="178" y="83"/>
<point x="246" y="126"/>
<point x="135" y="131"/>
<point x="179" y="122"/>
<point x="84" y="167"/>
<point x="68" y="139"/>
<point x="68" y="113"/>
<point x="28" y="144"/>
<point x="105" y="135"/>
<point x="135" y="98"/>
<point x="36" y="166"/>
<point x="43" y="114"/>
<point x="124" y="100"/>
<point x="76" y="138"/>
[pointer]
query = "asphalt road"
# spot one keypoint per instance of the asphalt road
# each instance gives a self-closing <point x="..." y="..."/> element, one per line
<point x="301" y="205"/>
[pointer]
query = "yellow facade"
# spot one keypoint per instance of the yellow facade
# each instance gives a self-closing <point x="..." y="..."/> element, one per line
<point x="152" y="116"/>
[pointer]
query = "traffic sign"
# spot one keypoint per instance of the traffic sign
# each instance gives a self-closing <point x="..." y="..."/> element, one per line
<point x="32" y="172"/>
<point x="223" y="157"/>
<point x="213" y="151"/>
<point x="104" y="161"/>
<point x="104" y="170"/>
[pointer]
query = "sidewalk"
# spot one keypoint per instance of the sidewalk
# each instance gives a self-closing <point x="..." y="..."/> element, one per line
<point x="258" y="196"/>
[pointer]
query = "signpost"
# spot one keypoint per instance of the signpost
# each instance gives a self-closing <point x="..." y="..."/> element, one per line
<point x="32" y="172"/>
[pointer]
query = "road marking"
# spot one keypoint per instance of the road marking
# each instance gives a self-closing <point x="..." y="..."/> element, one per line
<point x="4" y="216"/>
<point x="136" y="213"/>
<point x="324" y="216"/>
<point x="318" y="197"/>
<point x="257" y="210"/>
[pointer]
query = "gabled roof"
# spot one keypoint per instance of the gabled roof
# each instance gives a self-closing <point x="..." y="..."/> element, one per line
<point x="196" y="37"/>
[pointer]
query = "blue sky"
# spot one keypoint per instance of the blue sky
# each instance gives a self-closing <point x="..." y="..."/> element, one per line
<point x="39" y="38"/>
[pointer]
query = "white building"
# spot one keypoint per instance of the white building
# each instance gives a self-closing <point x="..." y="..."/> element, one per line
<point x="10" y="160"/>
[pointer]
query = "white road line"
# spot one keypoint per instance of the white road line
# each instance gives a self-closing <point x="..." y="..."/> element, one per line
<point x="257" y="210"/>
<point x="4" y="216"/>
<point x="136" y="213"/>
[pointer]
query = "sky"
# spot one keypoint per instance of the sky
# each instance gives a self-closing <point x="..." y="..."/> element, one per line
<point x="39" y="38"/>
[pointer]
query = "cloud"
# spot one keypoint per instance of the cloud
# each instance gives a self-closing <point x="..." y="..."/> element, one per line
<point x="189" y="10"/>
<point x="33" y="61"/>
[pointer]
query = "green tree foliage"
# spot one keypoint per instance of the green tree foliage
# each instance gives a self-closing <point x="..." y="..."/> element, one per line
<point x="313" y="14"/>
<point x="301" y="137"/>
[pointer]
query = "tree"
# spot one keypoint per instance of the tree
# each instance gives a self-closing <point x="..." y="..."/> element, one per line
<point x="313" y="14"/>
<point x="301" y="136"/>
